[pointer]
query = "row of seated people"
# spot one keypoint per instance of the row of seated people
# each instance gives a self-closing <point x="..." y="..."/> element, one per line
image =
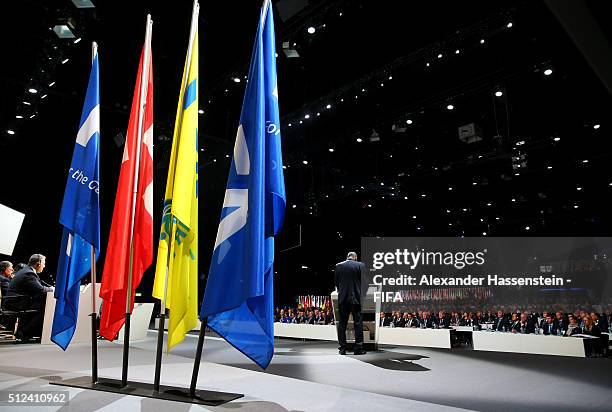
<point x="309" y="316"/>
<point x="546" y="323"/>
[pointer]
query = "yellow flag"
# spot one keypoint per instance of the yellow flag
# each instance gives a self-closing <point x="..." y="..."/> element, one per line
<point x="177" y="252"/>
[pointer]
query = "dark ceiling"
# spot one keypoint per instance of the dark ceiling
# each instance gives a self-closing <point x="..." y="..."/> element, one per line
<point x="377" y="66"/>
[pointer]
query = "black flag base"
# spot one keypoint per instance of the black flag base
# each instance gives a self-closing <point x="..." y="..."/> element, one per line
<point x="168" y="393"/>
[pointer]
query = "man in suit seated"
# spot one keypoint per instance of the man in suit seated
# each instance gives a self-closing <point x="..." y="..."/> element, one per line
<point x="501" y="323"/>
<point x="467" y="320"/>
<point x="561" y="321"/>
<point x="442" y="321"/>
<point x="550" y="327"/>
<point x="600" y="321"/>
<point x="384" y="320"/>
<point x="425" y="322"/>
<point x="319" y="318"/>
<point x="6" y="274"/>
<point x="410" y="321"/>
<point x="523" y="325"/>
<point x="26" y="282"/>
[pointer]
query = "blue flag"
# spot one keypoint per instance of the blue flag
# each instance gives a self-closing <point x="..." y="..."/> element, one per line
<point x="238" y="300"/>
<point x="80" y="215"/>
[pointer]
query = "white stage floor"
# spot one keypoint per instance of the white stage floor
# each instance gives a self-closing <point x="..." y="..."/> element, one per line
<point x="310" y="376"/>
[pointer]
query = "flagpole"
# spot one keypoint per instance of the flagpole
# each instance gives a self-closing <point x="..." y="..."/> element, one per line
<point x="144" y="81"/>
<point x="162" y="309"/>
<point x="94" y="312"/>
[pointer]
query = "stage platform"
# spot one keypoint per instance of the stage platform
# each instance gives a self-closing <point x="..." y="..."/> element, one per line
<point x="310" y="376"/>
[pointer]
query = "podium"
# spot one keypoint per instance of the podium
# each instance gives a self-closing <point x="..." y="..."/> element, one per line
<point x="82" y="334"/>
<point x="369" y="312"/>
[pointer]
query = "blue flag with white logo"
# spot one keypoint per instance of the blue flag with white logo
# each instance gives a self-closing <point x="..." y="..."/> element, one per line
<point x="238" y="300"/>
<point x="79" y="216"/>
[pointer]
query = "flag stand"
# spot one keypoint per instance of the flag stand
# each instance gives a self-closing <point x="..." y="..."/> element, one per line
<point x="94" y="317"/>
<point x="198" y="357"/>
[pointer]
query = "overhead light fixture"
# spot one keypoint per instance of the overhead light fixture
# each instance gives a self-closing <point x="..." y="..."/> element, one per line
<point x="236" y="79"/>
<point x="65" y="61"/>
<point x="27" y="103"/>
<point x="509" y="25"/>
<point x="556" y="139"/>
<point x="305" y="162"/>
<point x="318" y="113"/>
<point x="64" y="31"/>
<point x="201" y="111"/>
<point x="32" y="90"/>
<point x="311" y="30"/>
<point x="359" y="140"/>
<point x="11" y="132"/>
<point x="307" y="116"/>
<point x="549" y="167"/>
<point x="527" y="228"/>
<point x="409" y="121"/>
<point x="289" y="125"/>
<point x="19" y="116"/>
<point x="440" y="56"/>
<point x="78" y="39"/>
<point x="482" y="41"/>
<point x="390" y="77"/>
<point x="547" y="72"/>
<point x="331" y="150"/>
<point x="33" y="116"/>
<point x="450" y="107"/>
<point x="585" y="161"/>
<point x="596" y="126"/>
<point x="43" y="96"/>
<point x="83" y="4"/>
<point x="328" y="106"/>
<point x="499" y="93"/>
<point x="457" y="51"/>
<point x="51" y="84"/>
<point x="484" y="233"/>
<point x="427" y="64"/>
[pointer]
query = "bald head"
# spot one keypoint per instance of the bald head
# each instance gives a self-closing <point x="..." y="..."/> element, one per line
<point x="351" y="256"/>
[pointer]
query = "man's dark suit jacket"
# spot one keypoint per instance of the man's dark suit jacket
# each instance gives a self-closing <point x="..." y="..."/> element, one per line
<point x="4" y="285"/>
<point x="347" y="278"/>
<point x="26" y="282"/>
<point x="501" y="323"/>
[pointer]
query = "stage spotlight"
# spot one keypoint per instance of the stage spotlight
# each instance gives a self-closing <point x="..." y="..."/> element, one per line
<point x="509" y="25"/>
<point x="236" y="79"/>
<point x="331" y="150"/>
<point x="409" y="121"/>
<point x="549" y="167"/>
<point x="289" y="125"/>
<point x="547" y="72"/>
<point x="585" y="161"/>
<point x="201" y="111"/>
<point x="328" y="106"/>
<point x="78" y="39"/>
<point x="527" y="228"/>
<point x="305" y="162"/>
<point x="579" y="188"/>
<point x="390" y="77"/>
<point x="311" y="30"/>
<point x="457" y="51"/>
<point x="294" y="206"/>
<point x="450" y="107"/>
<point x="65" y="61"/>
<point x="19" y="116"/>
<point x="51" y="84"/>
<point x="26" y="103"/>
<point x="318" y="113"/>
<point x="482" y="41"/>
<point x="307" y="116"/>
<point x="499" y="93"/>
<point x="427" y="64"/>
<point x="484" y="233"/>
<point x="359" y="140"/>
<point x="439" y="55"/>
<point x="596" y="126"/>
<point x="556" y="139"/>
<point x="11" y="132"/>
<point x="44" y="96"/>
<point x="32" y="90"/>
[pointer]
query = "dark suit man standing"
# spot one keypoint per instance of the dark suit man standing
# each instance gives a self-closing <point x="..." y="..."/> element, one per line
<point x="27" y="282"/>
<point x="347" y="278"/>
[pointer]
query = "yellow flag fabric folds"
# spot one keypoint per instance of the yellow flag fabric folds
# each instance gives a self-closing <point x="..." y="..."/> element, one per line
<point x="178" y="242"/>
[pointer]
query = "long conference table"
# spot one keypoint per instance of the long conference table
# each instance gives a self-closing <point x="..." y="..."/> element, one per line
<point x="442" y="338"/>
